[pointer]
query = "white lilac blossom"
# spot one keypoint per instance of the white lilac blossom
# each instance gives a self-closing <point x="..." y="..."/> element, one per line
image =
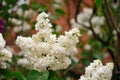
<point x="24" y="63"/>
<point x="20" y="12"/>
<point x="5" y="55"/>
<point x="17" y="29"/>
<point x="2" y="42"/>
<point x="58" y="28"/>
<point x="21" y="2"/>
<point x="19" y="25"/>
<point x="87" y="47"/>
<point x="98" y="71"/>
<point x="15" y="21"/>
<point x="84" y="17"/>
<point x="26" y="26"/>
<point x="46" y="51"/>
<point x="28" y="14"/>
<point x="4" y="3"/>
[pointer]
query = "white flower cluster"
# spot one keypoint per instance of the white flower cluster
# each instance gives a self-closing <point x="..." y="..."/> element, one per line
<point x="83" y="19"/>
<point x="19" y="25"/>
<point x="24" y="63"/>
<point x="46" y="51"/>
<point x="87" y="47"/>
<point x="28" y="14"/>
<point x="5" y="55"/>
<point x="98" y="71"/>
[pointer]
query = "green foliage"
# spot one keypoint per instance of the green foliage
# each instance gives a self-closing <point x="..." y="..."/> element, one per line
<point x="86" y="54"/>
<point x="12" y="74"/>
<point x="39" y="7"/>
<point x="35" y="75"/>
<point x="60" y="11"/>
<point x="11" y="1"/>
<point x="44" y="76"/>
<point x="98" y="55"/>
<point x="43" y="7"/>
<point x="24" y="7"/>
<point x="52" y="76"/>
<point x="99" y="3"/>
<point x="96" y="44"/>
<point x="32" y="75"/>
<point x="35" y="5"/>
<point x="18" y="75"/>
<point x="86" y="61"/>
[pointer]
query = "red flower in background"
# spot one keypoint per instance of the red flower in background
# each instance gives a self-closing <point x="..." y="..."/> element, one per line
<point x="2" y="25"/>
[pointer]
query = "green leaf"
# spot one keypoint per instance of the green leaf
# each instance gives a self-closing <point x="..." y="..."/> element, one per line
<point x="39" y="7"/>
<point x="83" y="31"/>
<point x="85" y="54"/>
<point x="35" y="5"/>
<point x="1" y="1"/>
<point x="6" y="73"/>
<point x="18" y="76"/>
<point x="96" y="44"/>
<point x="12" y="2"/>
<point x="44" y="76"/>
<point x="35" y="75"/>
<point x="52" y="75"/>
<point x="86" y="61"/>
<point x="99" y="2"/>
<point x="60" y="11"/>
<point x="98" y="55"/>
<point x="43" y="7"/>
<point x="10" y="75"/>
<point x="24" y="7"/>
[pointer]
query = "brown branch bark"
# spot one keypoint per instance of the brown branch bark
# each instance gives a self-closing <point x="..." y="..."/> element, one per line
<point x="68" y="13"/>
<point x="109" y="37"/>
<point x="108" y="23"/>
<point x="77" y="10"/>
<point x="112" y="20"/>
<point x="114" y="25"/>
<point x="91" y="28"/>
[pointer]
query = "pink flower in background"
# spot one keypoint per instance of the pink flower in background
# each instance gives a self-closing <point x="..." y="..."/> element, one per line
<point x="2" y="25"/>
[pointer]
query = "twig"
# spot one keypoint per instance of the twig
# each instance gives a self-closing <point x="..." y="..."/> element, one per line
<point x="91" y="28"/>
<point x="111" y="16"/>
<point x="109" y="37"/>
<point x="114" y="24"/>
<point x="83" y="25"/>
<point x="108" y="24"/>
<point x="77" y="10"/>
